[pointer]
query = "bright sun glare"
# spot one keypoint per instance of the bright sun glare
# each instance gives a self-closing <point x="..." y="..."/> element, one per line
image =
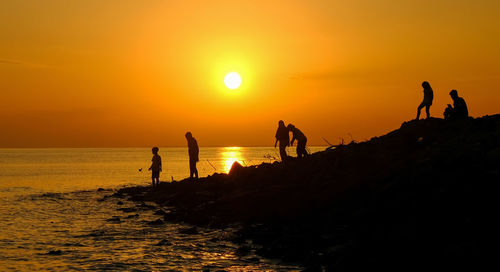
<point x="232" y="80"/>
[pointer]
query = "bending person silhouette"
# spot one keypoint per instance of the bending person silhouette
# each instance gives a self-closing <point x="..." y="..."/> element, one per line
<point x="427" y="102"/>
<point x="283" y="137"/>
<point x="155" y="167"/>
<point x="459" y="110"/>
<point x="193" y="151"/>
<point x="301" y="141"/>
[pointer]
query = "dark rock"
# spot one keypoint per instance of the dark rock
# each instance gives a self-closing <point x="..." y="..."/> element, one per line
<point x="160" y="212"/>
<point x="114" y="219"/>
<point x="189" y="231"/>
<point x="156" y="222"/>
<point x="242" y="251"/>
<point x="127" y="210"/>
<point x="145" y="206"/>
<point x="236" y="168"/>
<point x="55" y="252"/>
<point x="164" y="242"/>
<point x="170" y="216"/>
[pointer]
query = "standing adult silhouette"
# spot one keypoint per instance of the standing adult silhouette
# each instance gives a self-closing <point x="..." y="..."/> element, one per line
<point x="193" y="152"/>
<point x="283" y="137"/>
<point x="427" y="102"/>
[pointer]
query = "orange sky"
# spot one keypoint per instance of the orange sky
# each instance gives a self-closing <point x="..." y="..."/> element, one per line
<point x="113" y="73"/>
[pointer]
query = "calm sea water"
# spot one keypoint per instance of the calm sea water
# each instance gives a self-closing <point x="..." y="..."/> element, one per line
<point x="52" y="217"/>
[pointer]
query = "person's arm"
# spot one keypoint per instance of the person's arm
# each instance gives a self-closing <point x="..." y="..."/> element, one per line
<point x="275" y="143"/>
<point x="159" y="158"/>
<point x="293" y="140"/>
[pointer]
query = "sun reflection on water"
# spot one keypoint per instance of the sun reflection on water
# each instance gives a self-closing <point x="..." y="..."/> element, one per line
<point x="229" y="155"/>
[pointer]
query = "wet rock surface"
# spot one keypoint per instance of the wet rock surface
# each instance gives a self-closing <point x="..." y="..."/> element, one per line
<point x="421" y="195"/>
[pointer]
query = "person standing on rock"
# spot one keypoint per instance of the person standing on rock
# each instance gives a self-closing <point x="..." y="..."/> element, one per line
<point x="283" y="137"/>
<point x="193" y="152"/>
<point x="427" y="102"/>
<point x="301" y="141"/>
<point x="155" y="167"/>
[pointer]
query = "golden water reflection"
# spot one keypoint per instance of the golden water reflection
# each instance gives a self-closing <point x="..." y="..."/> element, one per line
<point x="229" y="155"/>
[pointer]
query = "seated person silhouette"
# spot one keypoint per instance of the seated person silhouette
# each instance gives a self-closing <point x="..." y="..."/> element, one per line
<point x="459" y="110"/>
<point x="301" y="140"/>
<point x="427" y="102"/>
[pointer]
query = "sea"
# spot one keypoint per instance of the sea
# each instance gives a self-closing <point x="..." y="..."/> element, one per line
<point x="55" y="213"/>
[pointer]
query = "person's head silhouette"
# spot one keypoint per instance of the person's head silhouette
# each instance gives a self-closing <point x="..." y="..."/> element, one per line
<point x="189" y="135"/>
<point x="426" y="85"/>
<point x="281" y="123"/>
<point x="454" y="94"/>
<point x="155" y="150"/>
<point x="290" y="126"/>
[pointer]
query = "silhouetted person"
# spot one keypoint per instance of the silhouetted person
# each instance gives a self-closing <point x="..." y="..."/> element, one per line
<point x="427" y="102"/>
<point x="459" y="110"/>
<point x="283" y="137"/>
<point x="155" y="167"/>
<point x="193" y="151"/>
<point x="301" y="140"/>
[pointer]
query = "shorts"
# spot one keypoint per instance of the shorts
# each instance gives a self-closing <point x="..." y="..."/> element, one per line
<point x="155" y="174"/>
<point x="426" y="103"/>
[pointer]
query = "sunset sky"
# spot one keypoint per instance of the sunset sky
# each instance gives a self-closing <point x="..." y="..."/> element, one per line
<point x="119" y="73"/>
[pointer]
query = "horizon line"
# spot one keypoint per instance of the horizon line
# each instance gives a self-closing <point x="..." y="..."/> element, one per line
<point x="89" y="147"/>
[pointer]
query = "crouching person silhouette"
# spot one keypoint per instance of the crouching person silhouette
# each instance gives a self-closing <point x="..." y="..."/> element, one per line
<point x="301" y="140"/>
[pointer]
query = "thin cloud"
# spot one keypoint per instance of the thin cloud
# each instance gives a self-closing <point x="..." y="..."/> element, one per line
<point x="314" y="76"/>
<point x="22" y="63"/>
<point x="331" y="75"/>
<point x="7" y="61"/>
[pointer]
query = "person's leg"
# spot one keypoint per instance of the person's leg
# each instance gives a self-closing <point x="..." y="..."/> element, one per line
<point x="157" y="181"/>
<point x="192" y="168"/>
<point x="153" y="181"/>
<point x="195" y="170"/>
<point x="304" y="150"/>
<point x="283" y="152"/>
<point x="419" y="109"/>
<point x="427" y="111"/>
<point x="301" y="149"/>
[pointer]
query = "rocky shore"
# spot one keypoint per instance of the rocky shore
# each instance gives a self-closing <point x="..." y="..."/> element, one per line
<point x="419" y="197"/>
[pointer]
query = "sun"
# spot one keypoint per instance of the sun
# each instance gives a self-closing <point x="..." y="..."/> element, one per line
<point x="232" y="80"/>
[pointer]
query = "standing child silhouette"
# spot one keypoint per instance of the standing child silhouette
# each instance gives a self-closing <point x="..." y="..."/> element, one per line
<point x="427" y="102"/>
<point x="155" y="167"/>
